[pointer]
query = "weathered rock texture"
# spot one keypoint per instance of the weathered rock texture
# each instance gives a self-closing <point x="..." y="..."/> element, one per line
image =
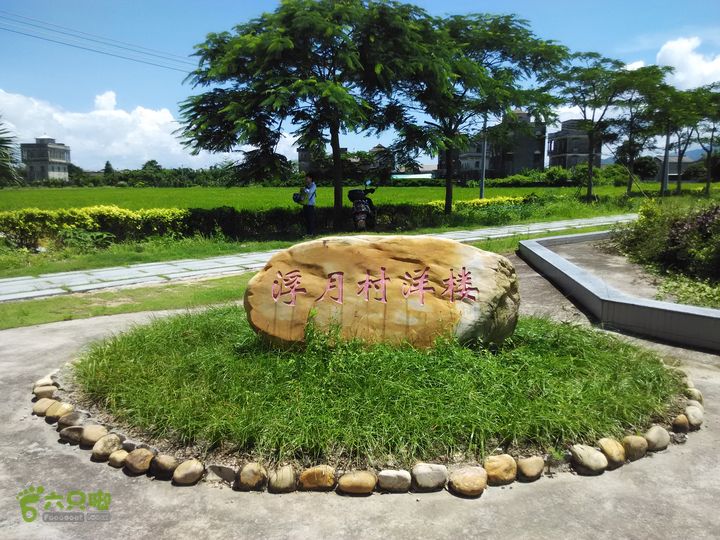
<point x="318" y="478"/>
<point x="385" y="288"/>
<point x="468" y="481"/>
<point x="500" y="469"/>
<point x="394" y="481"/>
<point x="531" y="468"/>
<point x="357" y="483"/>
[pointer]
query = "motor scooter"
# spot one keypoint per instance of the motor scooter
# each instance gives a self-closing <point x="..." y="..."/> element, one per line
<point x="363" y="212"/>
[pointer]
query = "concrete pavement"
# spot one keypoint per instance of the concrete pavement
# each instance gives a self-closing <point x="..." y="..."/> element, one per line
<point x="23" y="288"/>
<point x="671" y="494"/>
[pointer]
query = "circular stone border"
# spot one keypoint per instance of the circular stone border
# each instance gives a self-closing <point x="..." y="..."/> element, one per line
<point x="470" y="481"/>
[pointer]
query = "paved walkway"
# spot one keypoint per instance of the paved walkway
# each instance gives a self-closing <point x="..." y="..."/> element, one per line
<point x="23" y="288"/>
<point x="670" y="494"/>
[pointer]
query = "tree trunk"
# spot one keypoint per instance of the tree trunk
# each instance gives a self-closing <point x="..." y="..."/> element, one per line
<point x="631" y="168"/>
<point x="337" y="175"/>
<point x="666" y="165"/>
<point x="708" y="177"/>
<point x="448" y="180"/>
<point x="591" y="164"/>
<point x="681" y="153"/>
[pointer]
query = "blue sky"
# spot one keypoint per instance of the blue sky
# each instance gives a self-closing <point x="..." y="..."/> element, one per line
<point x="108" y="108"/>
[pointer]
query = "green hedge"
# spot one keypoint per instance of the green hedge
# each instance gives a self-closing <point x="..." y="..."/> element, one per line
<point x="26" y="227"/>
<point x="30" y="227"/>
<point x="675" y="239"/>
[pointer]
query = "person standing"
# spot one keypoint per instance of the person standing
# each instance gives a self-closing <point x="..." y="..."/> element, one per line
<point x="309" y="192"/>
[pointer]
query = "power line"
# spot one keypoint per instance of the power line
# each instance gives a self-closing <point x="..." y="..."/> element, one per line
<point x="18" y="16"/>
<point x="135" y="50"/>
<point x="94" y="50"/>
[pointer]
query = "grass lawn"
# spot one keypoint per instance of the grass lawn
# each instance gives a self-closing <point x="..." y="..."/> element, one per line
<point x="251" y="198"/>
<point x="689" y="290"/>
<point x="207" y="379"/>
<point x="158" y="297"/>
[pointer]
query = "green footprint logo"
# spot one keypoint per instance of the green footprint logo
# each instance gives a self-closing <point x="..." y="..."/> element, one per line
<point x="27" y="499"/>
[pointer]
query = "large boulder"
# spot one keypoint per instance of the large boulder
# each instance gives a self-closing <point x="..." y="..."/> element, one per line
<point x="385" y="288"/>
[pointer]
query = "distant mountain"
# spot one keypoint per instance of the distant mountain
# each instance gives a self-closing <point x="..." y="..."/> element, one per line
<point x="690" y="155"/>
<point x="694" y="154"/>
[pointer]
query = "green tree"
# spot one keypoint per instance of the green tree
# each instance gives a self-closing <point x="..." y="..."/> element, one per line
<point x="258" y="165"/>
<point x="8" y="172"/>
<point x="635" y="124"/>
<point x="591" y="83"/>
<point x="152" y="166"/>
<point x="673" y="112"/>
<point x="708" y="128"/>
<point x="306" y="62"/>
<point x="77" y="176"/>
<point x="108" y="173"/>
<point x="491" y="60"/>
<point x="686" y="116"/>
<point x="646" y="168"/>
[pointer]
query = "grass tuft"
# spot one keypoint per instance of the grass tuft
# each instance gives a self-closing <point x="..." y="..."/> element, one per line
<point x="208" y="379"/>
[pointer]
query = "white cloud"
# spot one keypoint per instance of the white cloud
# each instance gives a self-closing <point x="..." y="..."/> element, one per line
<point x="632" y="66"/>
<point x="565" y="112"/>
<point x="125" y="138"/>
<point x="106" y="101"/>
<point x="692" y="69"/>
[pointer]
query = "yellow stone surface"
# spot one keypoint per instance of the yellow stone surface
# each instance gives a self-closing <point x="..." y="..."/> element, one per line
<point x="56" y="410"/>
<point x="500" y="469"/>
<point x="414" y="310"/>
<point x="320" y="477"/>
<point x="357" y="482"/>
<point x="42" y="405"/>
<point x="613" y="450"/>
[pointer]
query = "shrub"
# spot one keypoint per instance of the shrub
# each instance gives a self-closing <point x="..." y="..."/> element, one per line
<point x="28" y="227"/>
<point x="614" y="174"/>
<point x="676" y="240"/>
<point x="24" y="228"/>
<point x="695" y="172"/>
<point x="646" y="167"/>
<point x="558" y="176"/>
<point x="84" y="240"/>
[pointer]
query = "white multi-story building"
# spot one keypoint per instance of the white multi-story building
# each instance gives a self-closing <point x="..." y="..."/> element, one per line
<point x="45" y="159"/>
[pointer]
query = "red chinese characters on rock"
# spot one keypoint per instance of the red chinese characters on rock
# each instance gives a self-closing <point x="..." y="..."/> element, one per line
<point x="417" y="283"/>
<point x="334" y="283"/>
<point x="379" y="284"/>
<point x="458" y="286"/>
<point x="289" y="285"/>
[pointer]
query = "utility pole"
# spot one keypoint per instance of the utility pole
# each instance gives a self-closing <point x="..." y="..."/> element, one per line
<point x="665" y="182"/>
<point x="484" y="157"/>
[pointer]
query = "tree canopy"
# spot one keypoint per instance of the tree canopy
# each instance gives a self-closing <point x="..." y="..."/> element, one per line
<point x="634" y="125"/>
<point x="591" y="83"/>
<point x="301" y="63"/>
<point x="8" y="173"/>
<point x="492" y="61"/>
<point x="321" y="69"/>
<point x="708" y="127"/>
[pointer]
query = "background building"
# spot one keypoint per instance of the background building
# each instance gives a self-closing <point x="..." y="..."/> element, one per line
<point x="688" y="162"/>
<point x="513" y="146"/>
<point x="570" y="146"/>
<point x="45" y="160"/>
